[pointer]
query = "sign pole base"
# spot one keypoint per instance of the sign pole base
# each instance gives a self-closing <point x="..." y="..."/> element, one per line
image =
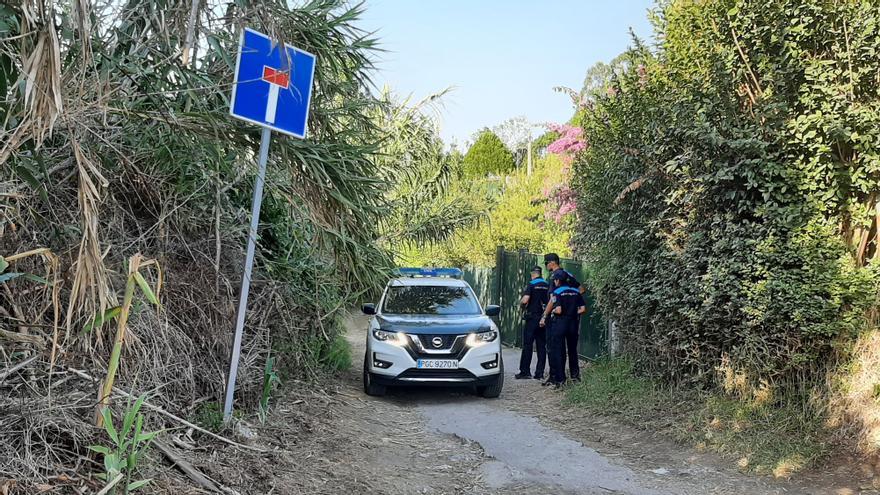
<point x="248" y="269"/>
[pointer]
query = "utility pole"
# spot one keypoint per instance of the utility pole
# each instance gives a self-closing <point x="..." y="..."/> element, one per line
<point x="529" y="166"/>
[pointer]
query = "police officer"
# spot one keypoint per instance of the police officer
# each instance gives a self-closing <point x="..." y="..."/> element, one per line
<point x="534" y="299"/>
<point x="551" y="261"/>
<point x="568" y="305"/>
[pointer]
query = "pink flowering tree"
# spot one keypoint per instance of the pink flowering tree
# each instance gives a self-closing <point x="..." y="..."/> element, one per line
<point x="561" y="199"/>
<point x="570" y="141"/>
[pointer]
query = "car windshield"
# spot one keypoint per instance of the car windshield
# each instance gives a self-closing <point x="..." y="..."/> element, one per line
<point x="430" y="300"/>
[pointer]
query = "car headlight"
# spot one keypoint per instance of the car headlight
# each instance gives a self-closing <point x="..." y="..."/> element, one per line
<point x="393" y="338"/>
<point x="478" y="339"/>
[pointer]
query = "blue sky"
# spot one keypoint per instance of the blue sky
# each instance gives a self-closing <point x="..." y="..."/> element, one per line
<point x="502" y="56"/>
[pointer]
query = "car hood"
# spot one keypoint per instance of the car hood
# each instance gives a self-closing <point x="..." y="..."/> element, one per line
<point x="433" y="324"/>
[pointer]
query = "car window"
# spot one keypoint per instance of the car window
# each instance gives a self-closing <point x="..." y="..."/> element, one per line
<point x="430" y="300"/>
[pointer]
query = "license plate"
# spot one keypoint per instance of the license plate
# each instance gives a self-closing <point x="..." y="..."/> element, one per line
<point x="439" y="364"/>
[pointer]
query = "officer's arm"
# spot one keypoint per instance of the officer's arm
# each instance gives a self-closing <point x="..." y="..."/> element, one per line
<point x="524" y="300"/>
<point x="582" y="310"/>
<point x="547" y="310"/>
<point x="581" y="288"/>
<point x="557" y="310"/>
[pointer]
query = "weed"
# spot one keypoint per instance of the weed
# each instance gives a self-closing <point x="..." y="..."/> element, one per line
<point x="269" y="379"/>
<point x="129" y="443"/>
<point x="209" y="415"/>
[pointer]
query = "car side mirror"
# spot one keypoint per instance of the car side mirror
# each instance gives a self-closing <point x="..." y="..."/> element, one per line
<point x="493" y="310"/>
<point x="369" y="309"/>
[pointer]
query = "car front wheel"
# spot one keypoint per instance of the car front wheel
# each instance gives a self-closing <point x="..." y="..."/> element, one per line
<point x="371" y="388"/>
<point x="493" y="390"/>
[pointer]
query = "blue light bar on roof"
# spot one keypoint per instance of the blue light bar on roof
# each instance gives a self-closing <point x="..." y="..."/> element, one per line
<point x="430" y="272"/>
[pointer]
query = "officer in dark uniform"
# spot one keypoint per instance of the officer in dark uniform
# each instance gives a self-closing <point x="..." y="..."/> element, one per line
<point x="534" y="299"/>
<point x="568" y="305"/>
<point x="551" y="261"/>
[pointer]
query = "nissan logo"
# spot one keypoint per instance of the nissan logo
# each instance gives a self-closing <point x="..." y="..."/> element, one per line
<point x="437" y="341"/>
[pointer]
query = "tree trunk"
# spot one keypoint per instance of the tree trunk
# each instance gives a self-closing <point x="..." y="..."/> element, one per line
<point x="877" y="230"/>
<point x="865" y="235"/>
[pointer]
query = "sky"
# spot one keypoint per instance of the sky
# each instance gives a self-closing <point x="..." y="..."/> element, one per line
<point x="503" y="57"/>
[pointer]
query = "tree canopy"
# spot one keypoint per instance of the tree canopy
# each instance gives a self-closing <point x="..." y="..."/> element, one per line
<point x="488" y="155"/>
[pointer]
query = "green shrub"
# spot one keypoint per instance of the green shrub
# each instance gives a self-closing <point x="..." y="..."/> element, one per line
<point x="727" y="197"/>
<point x="336" y="354"/>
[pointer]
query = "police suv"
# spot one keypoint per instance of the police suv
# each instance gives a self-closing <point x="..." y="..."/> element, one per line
<point x="429" y="329"/>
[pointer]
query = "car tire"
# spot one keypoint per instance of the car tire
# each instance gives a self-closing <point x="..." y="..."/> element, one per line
<point x="494" y="390"/>
<point x="370" y="388"/>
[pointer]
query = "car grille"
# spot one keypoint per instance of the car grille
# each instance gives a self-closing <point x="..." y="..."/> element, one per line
<point x="422" y="346"/>
<point x="446" y="341"/>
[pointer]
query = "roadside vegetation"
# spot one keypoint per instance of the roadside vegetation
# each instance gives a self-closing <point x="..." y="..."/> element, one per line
<point x="770" y="437"/>
<point x="728" y="205"/>
<point x="117" y="148"/>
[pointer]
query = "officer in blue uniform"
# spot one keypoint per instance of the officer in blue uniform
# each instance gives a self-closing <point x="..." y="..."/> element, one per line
<point x="568" y="305"/>
<point x="551" y="261"/>
<point x="534" y="299"/>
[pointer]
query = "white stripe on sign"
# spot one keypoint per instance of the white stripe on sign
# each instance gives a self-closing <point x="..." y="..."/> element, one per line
<point x="273" y="103"/>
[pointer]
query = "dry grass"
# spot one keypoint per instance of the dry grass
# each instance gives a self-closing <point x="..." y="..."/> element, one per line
<point x="758" y="428"/>
<point x="855" y="396"/>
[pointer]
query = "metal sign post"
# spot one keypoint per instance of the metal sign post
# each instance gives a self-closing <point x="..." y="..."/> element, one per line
<point x="248" y="268"/>
<point x="273" y="89"/>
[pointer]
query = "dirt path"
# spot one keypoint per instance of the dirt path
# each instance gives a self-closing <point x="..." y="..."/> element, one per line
<point x="529" y="442"/>
<point x="336" y="440"/>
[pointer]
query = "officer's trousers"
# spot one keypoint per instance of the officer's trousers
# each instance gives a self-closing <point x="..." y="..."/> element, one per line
<point x="534" y="337"/>
<point x="556" y="339"/>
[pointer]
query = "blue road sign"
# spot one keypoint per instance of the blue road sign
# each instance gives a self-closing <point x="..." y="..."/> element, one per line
<point x="273" y="84"/>
<point x="273" y="88"/>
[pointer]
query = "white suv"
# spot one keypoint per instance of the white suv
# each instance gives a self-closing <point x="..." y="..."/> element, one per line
<point x="429" y="329"/>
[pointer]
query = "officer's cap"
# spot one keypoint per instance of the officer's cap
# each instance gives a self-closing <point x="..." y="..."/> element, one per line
<point x="561" y="276"/>
<point x="551" y="257"/>
<point x="537" y="269"/>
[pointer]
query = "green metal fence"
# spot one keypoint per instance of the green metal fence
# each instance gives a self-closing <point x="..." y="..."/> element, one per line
<point x="503" y="285"/>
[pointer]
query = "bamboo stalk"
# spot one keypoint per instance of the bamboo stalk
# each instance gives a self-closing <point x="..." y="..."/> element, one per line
<point x="188" y="469"/>
<point x="113" y="365"/>
<point x="25" y="254"/>
<point x="190" y="31"/>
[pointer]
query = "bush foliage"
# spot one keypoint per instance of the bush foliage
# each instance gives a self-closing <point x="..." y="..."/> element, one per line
<point x="728" y="199"/>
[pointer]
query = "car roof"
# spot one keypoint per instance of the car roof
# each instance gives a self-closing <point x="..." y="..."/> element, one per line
<point x="427" y="281"/>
